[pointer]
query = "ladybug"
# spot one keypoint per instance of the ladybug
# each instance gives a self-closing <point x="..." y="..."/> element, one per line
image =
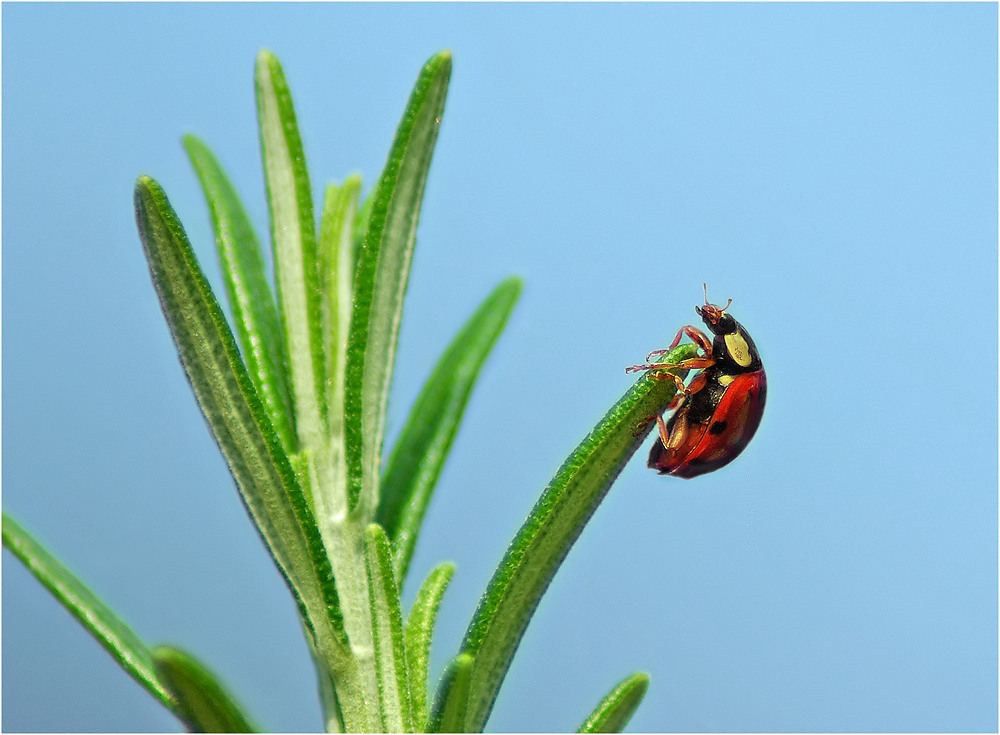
<point x="719" y="412"/>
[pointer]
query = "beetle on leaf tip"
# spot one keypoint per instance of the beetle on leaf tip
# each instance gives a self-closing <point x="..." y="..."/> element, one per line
<point x="716" y="415"/>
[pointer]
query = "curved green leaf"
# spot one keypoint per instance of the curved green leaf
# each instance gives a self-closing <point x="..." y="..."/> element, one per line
<point x="416" y="461"/>
<point x="549" y="532"/>
<point x="451" y="705"/>
<point x="381" y="279"/>
<point x="293" y="233"/>
<point x="229" y="401"/>
<point x="417" y="636"/>
<point x="387" y="634"/>
<point x="202" y="701"/>
<point x="110" y="631"/>
<point x="248" y="288"/>
<point x="616" y="709"/>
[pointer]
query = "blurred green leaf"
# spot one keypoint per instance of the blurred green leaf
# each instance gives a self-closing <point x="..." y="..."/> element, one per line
<point x="381" y="279"/>
<point x="110" y="631"/>
<point x="616" y="709"/>
<point x="203" y="703"/>
<point x="549" y="532"/>
<point x="420" y="453"/>
<point x="247" y="285"/>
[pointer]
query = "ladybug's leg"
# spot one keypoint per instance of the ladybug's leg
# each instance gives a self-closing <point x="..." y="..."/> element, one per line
<point x="661" y="427"/>
<point x="695" y="363"/>
<point x="659" y="376"/>
<point x="684" y="390"/>
<point x="696" y="385"/>
<point x="643" y="423"/>
<point x="675" y="402"/>
<point x="656" y="353"/>
<point x="697" y="336"/>
<point x="647" y="420"/>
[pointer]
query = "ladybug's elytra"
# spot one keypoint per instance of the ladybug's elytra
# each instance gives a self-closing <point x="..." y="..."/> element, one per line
<point x="719" y="412"/>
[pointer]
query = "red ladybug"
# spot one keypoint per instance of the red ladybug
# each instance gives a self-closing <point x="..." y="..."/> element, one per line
<point x="719" y="412"/>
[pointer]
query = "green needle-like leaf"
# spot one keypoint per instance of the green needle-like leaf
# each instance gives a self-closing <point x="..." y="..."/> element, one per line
<point x="361" y="218"/>
<point x="387" y="630"/>
<point x="237" y="418"/>
<point x="549" y="532"/>
<point x="110" y="631"/>
<point x="336" y="271"/>
<point x="293" y="232"/>
<point x="381" y="279"/>
<point x="203" y="703"/>
<point x="451" y="705"/>
<point x="249" y="291"/>
<point x="616" y="709"/>
<point x="417" y="636"/>
<point x="423" y="445"/>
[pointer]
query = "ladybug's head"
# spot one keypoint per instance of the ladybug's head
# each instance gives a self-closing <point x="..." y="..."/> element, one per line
<point x="715" y="317"/>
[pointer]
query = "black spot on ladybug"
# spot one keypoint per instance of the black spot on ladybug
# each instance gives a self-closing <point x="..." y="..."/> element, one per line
<point x="717" y="427"/>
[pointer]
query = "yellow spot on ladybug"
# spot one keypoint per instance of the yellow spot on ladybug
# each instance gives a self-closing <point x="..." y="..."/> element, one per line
<point x="738" y="348"/>
<point x="725" y="380"/>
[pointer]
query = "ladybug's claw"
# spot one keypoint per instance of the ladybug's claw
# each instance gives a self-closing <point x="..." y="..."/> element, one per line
<point x="645" y="421"/>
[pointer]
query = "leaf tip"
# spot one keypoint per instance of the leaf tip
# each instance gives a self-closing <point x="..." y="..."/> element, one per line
<point x="375" y="535"/>
<point x="451" y="704"/>
<point x="192" y="143"/>
<point x="265" y="57"/>
<point x="146" y="192"/>
<point x="353" y="180"/>
<point x="514" y="285"/>
<point x="439" y="64"/>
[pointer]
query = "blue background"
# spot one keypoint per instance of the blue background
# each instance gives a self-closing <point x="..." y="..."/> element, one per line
<point x="832" y="168"/>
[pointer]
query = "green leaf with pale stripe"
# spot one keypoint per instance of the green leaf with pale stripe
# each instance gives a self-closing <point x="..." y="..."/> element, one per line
<point x="381" y="279"/>
<point x="336" y="274"/>
<point x="387" y="630"/>
<point x="617" y="708"/>
<point x="202" y="702"/>
<point x="100" y="621"/>
<point x="549" y="532"/>
<point x="417" y="636"/>
<point x="238" y="420"/>
<point x="293" y="234"/>
<point x="248" y="288"/>
<point x="423" y="445"/>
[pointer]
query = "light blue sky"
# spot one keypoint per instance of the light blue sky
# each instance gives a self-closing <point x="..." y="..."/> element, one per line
<point x="832" y="168"/>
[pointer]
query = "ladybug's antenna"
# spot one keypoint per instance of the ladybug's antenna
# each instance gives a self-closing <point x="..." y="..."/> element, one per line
<point x="705" y="287"/>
